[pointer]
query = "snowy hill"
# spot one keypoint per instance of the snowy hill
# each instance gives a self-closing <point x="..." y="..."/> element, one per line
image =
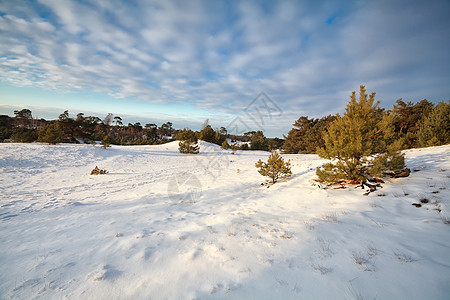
<point x="164" y="225"/>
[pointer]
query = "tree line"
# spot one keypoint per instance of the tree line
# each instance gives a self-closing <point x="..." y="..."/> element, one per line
<point x="413" y="125"/>
<point x="23" y="128"/>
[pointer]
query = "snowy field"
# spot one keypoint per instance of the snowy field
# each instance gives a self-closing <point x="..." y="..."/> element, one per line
<point x="163" y="225"/>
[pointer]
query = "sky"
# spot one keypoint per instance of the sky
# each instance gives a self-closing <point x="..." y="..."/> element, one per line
<point x="246" y="65"/>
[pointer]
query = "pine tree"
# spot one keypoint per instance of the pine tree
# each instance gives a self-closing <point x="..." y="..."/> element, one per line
<point x="275" y="168"/>
<point x="51" y="133"/>
<point x="306" y="136"/>
<point x="259" y="141"/>
<point x="295" y="141"/>
<point x="24" y="135"/>
<point x="188" y="141"/>
<point x="408" y="117"/>
<point x="363" y="130"/>
<point x="208" y="134"/>
<point x="435" y="129"/>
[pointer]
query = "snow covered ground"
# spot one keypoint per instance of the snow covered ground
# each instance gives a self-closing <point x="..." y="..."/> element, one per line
<point x="163" y="225"/>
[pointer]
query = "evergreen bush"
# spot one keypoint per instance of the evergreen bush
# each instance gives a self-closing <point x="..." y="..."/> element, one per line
<point x="362" y="131"/>
<point x="24" y="135"/>
<point x="106" y="141"/>
<point x="208" y="134"/>
<point x="188" y="142"/>
<point x="275" y="168"/>
<point x="258" y="141"/>
<point x="51" y="133"/>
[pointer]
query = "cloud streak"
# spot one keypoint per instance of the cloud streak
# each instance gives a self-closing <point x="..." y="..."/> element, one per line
<point x="215" y="55"/>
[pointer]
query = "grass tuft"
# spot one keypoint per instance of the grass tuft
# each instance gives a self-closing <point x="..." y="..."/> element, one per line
<point x="404" y="258"/>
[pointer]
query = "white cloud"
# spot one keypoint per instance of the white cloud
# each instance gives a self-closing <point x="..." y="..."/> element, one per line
<point x="67" y="14"/>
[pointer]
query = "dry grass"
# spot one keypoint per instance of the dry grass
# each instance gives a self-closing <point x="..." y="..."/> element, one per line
<point x="330" y="217"/>
<point x="403" y="257"/>
<point x="308" y="225"/>
<point x="286" y="236"/>
<point x="321" y="269"/>
<point x="371" y="250"/>
<point x="356" y="294"/>
<point x="363" y="260"/>
<point x="324" y="249"/>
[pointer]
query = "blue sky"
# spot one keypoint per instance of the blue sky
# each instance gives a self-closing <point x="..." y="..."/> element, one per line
<point x="188" y="61"/>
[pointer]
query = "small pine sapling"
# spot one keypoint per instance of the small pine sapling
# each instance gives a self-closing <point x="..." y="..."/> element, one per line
<point x="275" y="168"/>
<point x="188" y="147"/>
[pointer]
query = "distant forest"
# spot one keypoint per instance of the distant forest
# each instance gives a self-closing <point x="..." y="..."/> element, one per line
<point x="23" y="128"/>
<point x="416" y="124"/>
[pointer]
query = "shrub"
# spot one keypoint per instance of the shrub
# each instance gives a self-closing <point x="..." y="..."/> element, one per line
<point x="328" y="173"/>
<point x="188" y="141"/>
<point x="258" y="141"/>
<point x="51" y="133"/>
<point x="225" y="145"/>
<point x="389" y="162"/>
<point x="275" y="168"/>
<point x="208" y="134"/>
<point x="23" y="135"/>
<point x="106" y="141"/>
<point x="97" y="171"/>
<point x="5" y="133"/>
<point x="363" y="130"/>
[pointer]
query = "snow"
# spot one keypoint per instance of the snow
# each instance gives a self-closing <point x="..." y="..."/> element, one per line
<point x="166" y="225"/>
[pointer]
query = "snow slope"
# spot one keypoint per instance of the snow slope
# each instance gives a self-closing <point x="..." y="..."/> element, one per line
<point x="163" y="225"/>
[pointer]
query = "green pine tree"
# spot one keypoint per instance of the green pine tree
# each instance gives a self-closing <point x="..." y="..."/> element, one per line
<point x="435" y="129"/>
<point x="363" y="130"/>
<point x="208" y="134"/>
<point x="51" y="133"/>
<point x="408" y="117"/>
<point x="24" y="135"/>
<point x="306" y="136"/>
<point x="275" y="168"/>
<point x="258" y="141"/>
<point x="188" y="141"/>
